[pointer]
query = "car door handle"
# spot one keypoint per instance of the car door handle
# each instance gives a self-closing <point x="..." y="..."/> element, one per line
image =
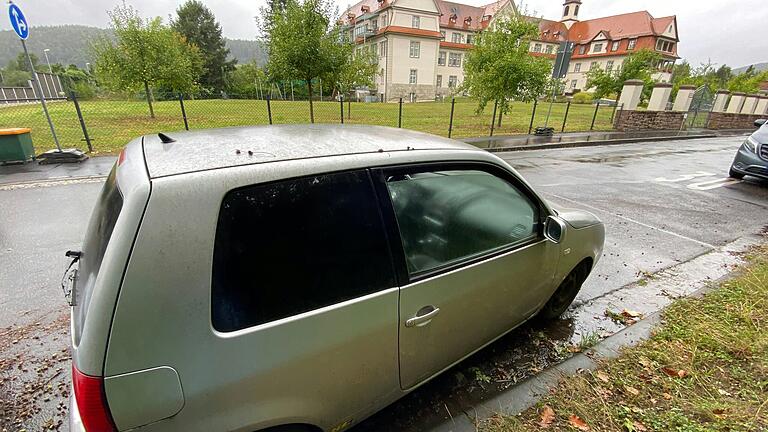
<point x="423" y="316"/>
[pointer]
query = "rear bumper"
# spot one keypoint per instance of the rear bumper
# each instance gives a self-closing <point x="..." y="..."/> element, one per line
<point x="75" y="423"/>
<point x="749" y="163"/>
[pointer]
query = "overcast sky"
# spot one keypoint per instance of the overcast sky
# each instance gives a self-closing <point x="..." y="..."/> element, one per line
<point x="726" y="31"/>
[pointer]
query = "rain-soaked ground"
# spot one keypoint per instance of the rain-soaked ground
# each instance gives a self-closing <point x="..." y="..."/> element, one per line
<point x="670" y="211"/>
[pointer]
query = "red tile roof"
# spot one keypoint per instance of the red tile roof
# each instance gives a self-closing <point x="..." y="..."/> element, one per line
<point x="454" y="45"/>
<point x="629" y="25"/>
<point x="461" y="12"/>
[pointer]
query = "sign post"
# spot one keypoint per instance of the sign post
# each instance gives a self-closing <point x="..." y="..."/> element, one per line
<point x="562" y="61"/>
<point x="21" y="28"/>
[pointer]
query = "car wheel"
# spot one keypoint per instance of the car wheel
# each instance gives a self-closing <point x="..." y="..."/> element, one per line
<point x="734" y="174"/>
<point x="566" y="293"/>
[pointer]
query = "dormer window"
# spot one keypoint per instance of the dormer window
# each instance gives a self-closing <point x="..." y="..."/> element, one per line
<point x="486" y="18"/>
<point x="452" y="19"/>
<point x="365" y="9"/>
<point x="468" y="21"/>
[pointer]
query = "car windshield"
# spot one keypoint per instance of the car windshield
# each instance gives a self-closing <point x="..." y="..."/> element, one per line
<point x="97" y="237"/>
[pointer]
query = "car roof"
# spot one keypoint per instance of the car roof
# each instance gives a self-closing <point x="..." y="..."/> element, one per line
<point x="209" y="149"/>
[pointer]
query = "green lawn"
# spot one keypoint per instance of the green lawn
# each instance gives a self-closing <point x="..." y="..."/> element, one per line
<point x="111" y="124"/>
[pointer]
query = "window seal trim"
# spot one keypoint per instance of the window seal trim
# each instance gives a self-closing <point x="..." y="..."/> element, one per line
<point x="402" y="275"/>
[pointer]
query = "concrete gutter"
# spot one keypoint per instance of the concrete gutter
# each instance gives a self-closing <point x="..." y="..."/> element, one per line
<point x="526" y="394"/>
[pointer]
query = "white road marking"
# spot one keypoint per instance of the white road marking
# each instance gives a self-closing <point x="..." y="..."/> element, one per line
<point x="628" y="219"/>
<point x="684" y="177"/>
<point x="713" y="184"/>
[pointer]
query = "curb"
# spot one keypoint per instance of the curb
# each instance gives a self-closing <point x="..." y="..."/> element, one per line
<point x="596" y="143"/>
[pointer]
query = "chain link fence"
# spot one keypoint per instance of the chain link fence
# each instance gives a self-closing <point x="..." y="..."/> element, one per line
<point x="105" y="126"/>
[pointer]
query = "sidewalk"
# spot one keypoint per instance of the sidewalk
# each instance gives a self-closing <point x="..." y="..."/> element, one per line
<point x="584" y="139"/>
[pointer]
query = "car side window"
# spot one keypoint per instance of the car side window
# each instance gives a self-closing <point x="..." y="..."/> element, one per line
<point x="293" y="246"/>
<point x="447" y="216"/>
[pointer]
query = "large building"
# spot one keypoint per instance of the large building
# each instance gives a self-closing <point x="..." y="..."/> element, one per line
<point x="421" y="44"/>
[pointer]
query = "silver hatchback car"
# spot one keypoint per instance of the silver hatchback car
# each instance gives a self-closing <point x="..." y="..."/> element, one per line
<point x="300" y="278"/>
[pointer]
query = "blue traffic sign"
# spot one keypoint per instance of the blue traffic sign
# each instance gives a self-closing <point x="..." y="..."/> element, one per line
<point x="18" y="22"/>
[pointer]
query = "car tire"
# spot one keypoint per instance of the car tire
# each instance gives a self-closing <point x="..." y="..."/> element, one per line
<point x="735" y="174"/>
<point x="565" y="293"/>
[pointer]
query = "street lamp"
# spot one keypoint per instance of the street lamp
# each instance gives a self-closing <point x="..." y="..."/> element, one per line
<point x="45" y="51"/>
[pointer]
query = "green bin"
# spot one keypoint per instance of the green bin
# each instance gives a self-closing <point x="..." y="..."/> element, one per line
<point x="16" y="145"/>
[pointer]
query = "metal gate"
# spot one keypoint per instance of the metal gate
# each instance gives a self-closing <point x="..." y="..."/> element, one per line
<point x="701" y="106"/>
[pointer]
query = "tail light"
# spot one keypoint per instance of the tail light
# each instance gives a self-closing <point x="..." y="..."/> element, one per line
<point x="92" y="402"/>
<point x="121" y="157"/>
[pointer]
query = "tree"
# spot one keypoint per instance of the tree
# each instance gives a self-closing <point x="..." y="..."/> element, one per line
<point x="145" y="54"/>
<point x="15" y="78"/>
<point x="640" y="65"/>
<point x="302" y="44"/>
<point x="352" y="69"/>
<point x="20" y="63"/>
<point x="500" y="68"/>
<point x="199" y="26"/>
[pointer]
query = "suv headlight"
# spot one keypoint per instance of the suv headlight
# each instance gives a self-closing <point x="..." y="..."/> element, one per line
<point x="750" y="144"/>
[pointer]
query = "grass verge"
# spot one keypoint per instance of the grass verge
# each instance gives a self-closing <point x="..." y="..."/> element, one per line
<point x="704" y="369"/>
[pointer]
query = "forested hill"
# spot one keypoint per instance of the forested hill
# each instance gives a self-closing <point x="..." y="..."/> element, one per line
<point x="69" y="44"/>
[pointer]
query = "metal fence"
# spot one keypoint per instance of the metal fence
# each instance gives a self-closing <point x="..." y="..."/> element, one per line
<point x="107" y="125"/>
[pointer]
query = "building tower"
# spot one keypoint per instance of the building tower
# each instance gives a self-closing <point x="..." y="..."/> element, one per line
<point x="570" y="12"/>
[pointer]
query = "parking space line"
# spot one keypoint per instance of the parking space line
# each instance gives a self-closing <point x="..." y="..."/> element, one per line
<point x="713" y="184"/>
<point x="628" y="219"/>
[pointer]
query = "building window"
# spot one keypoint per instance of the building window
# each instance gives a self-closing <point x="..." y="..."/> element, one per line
<point x="439" y="81"/>
<point x="577" y="67"/>
<point x="593" y="66"/>
<point x="549" y="49"/>
<point x="632" y="44"/>
<point x="470" y="39"/>
<point x="615" y="46"/>
<point x="442" y="34"/>
<point x="582" y="49"/>
<point x="457" y="37"/>
<point x="383" y="48"/>
<point x="415" y="21"/>
<point x="609" y="66"/>
<point x="412" y="78"/>
<point x="576" y="11"/>
<point x="537" y="48"/>
<point x="452" y="81"/>
<point x="567" y="10"/>
<point x="441" y="58"/>
<point x="597" y="47"/>
<point x="454" y="59"/>
<point x="574" y="83"/>
<point x="663" y="45"/>
<point x="415" y="49"/>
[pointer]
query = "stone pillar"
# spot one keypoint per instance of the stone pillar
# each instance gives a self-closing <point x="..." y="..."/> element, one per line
<point x="631" y="94"/>
<point x="736" y="103"/>
<point x="750" y="103"/>
<point x="660" y="97"/>
<point x="721" y="100"/>
<point x="762" y="105"/>
<point x="684" y="98"/>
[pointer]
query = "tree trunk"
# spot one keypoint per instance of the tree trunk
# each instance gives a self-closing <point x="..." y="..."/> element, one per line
<point x="149" y="99"/>
<point x="501" y="111"/>
<point x="311" y="107"/>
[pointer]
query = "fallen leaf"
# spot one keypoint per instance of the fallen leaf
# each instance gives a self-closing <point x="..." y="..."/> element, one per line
<point x="674" y="373"/>
<point x="723" y="392"/>
<point x="639" y="426"/>
<point x="631" y="314"/>
<point x="602" y="376"/>
<point x="666" y="396"/>
<point x="547" y="417"/>
<point x="578" y="423"/>
<point x="718" y="411"/>
<point x="631" y="390"/>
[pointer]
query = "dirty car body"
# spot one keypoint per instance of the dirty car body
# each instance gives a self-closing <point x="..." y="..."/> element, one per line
<point x="752" y="157"/>
<point x="304" y="277"/>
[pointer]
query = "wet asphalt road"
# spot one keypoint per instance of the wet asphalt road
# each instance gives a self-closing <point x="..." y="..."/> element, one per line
<point x="662" y="203"/>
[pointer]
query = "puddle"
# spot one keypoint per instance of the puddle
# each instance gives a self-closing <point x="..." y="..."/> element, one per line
<point x="536" y="346"/>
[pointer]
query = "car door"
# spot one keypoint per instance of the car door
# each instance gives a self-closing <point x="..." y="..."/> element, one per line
<point x="474" y="261"/>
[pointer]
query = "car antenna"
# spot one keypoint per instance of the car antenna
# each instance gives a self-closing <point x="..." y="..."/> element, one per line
<point x="165" y="138"/>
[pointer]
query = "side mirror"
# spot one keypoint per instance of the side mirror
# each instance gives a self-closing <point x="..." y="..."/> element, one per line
<point x="760" y="122"/>
<point x="554" y="229"/>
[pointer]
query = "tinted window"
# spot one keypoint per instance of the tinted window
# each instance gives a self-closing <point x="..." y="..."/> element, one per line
<point x="293" y="246"/>
<point x="100" y="228"/>
<point x="448" y="216"/>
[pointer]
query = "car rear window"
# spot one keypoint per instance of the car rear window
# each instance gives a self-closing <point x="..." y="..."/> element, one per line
<point x="97" y="236"/>
<point x="293" y="246"/>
